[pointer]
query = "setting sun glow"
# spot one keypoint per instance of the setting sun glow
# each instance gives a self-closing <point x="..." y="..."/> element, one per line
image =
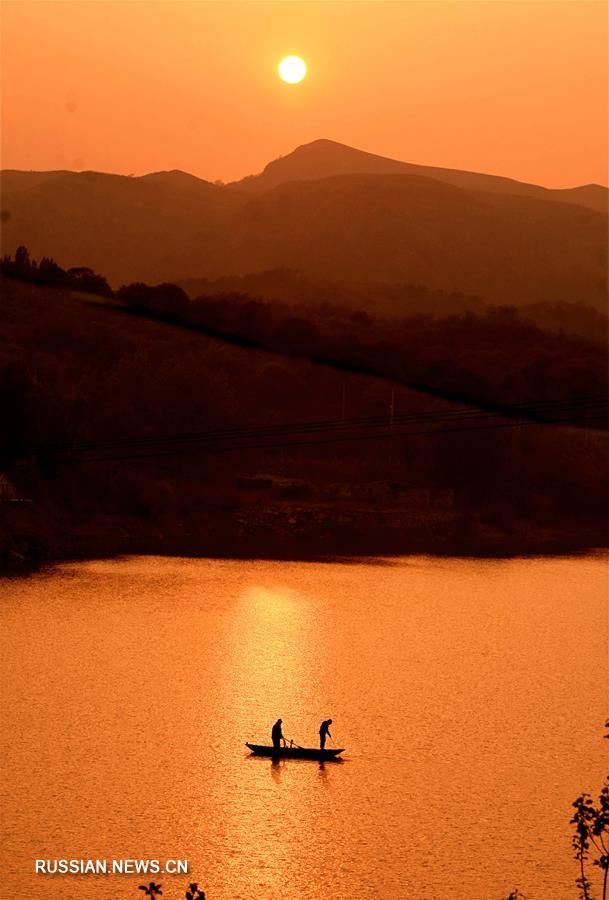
<point x="292" y="69"/>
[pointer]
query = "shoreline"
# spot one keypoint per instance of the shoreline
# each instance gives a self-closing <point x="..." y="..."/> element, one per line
<point x="27" y="553"/>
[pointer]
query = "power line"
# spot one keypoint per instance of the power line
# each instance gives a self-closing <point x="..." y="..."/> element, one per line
<point x="530" y="411"/>
<point x="570" y="420"/>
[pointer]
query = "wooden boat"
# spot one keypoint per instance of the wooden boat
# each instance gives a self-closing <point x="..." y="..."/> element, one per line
<point x="294" y="752"/>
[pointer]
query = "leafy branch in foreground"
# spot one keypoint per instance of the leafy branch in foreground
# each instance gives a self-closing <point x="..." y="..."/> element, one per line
<point x="151" y="890"/>
<point x="591" y="821"/>
<point x="193" y="892"/>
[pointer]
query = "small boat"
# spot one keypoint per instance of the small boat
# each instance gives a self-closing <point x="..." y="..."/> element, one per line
<point x="295" y="752"/>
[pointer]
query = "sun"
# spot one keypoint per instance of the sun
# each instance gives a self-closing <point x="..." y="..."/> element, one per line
<point x="292" y="69"/>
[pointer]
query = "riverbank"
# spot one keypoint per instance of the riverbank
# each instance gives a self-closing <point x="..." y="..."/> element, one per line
<point x="33" y="538"/>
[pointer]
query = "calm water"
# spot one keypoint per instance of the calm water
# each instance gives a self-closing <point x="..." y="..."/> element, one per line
<point x="470" y="696"/>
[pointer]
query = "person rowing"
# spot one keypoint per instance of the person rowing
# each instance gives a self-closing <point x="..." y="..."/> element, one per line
<point x="324" y="731"/>
<point x="277" y="735"/>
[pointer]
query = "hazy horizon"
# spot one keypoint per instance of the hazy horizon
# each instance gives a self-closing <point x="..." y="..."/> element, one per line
<point x="215" y="180"/>
<point x="511" y="89"/>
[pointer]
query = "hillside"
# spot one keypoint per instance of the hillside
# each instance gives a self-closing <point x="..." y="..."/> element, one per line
<point x="292" y="289"/>
<point x="486" y="239"/>
<point x="95" y="401"/>
<point x="499" y="247"/>
<point x="128" y="227"/>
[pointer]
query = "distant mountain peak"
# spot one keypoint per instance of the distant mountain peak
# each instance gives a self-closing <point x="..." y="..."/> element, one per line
<point x="325" y="158"/>
<point x="321" y="158"/>
<point x="324" y="143"/>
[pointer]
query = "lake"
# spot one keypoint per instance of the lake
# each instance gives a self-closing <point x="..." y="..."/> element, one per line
<point x="470" y="697"/>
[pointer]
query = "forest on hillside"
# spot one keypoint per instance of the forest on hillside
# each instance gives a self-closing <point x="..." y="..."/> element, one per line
<point x="395" y="301"/>
<point x="496" y="357"/>
<point x="86" y="376"/>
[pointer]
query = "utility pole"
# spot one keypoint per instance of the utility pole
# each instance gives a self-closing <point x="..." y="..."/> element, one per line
<point x="391" y="413"/>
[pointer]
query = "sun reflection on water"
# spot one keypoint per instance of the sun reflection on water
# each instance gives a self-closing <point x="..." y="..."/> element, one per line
<point x="268" y="673"/>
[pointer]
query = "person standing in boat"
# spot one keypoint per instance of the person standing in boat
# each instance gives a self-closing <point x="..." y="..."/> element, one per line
<point x="324" y="731"/>
<point x="277" y="735"/>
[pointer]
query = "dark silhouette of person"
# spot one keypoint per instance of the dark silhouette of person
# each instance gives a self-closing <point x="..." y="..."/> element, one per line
<point x="277" y="735"/>
<point x="324" y="731"/>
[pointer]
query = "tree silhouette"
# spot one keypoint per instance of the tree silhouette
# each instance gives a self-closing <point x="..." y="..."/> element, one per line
<point x="85" y="279"/>
<point x="591" y="822"/>
<point x="47" y="271"/>
<point x="22" y="260"/>
<point x="193" y="891"/>
<point x="151" y="890"/>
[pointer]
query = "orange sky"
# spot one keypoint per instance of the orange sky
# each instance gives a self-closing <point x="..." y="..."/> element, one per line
<point x="514" y="88"/>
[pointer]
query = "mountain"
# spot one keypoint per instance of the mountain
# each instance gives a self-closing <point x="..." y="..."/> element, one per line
<point x="397" y="227"/>
<point x="126" y="227"/>
<point x="403" y="228"/>
<point x="324" y="158"/>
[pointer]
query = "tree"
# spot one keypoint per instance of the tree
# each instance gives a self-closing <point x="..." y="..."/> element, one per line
<point x="151" y="890"/>
<point x="23" y="263"/>
<point x="51" y="273"/>
<point x="85" y="279"/>
<point x="591" y="821"/>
